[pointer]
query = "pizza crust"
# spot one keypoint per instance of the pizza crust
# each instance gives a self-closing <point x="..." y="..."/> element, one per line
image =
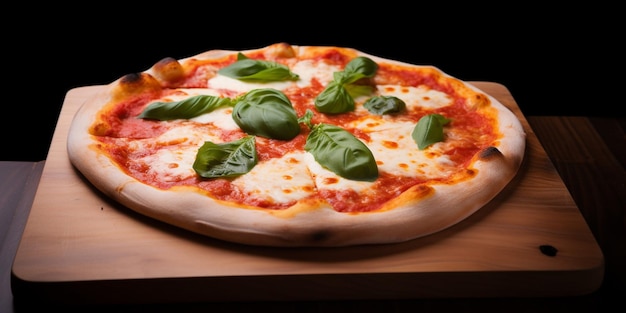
<point x="418" y="212"/>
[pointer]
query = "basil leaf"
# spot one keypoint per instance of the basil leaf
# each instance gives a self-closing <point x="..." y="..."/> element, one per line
<point x="184" y="109"/>
<point x="429" y="130"/>
<point x="385" y="105"/>
<point x="363" y="65"/>
<point x="228" y="159"/>
<point x="334" y="99"/>
<point x="247" y="69"/>
<point x="340" y="78"/>
<point x="339" y="94"/>
<point x="355" y="90"/>
<point x="267" y="113"/>
<point x="339" y="151"/>
<point x="306" y="118"/>
<point x="241" y="56"/>
<point x="358" y="68"/>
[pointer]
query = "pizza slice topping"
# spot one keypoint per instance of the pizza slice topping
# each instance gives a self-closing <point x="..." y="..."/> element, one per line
<point x="247" y="69"/>
<point x="341" y="152"/>
<point x="226" y="159"/>
<point x="385" y="105"/>
<point x="338" y="96"/>
<point x="183" y="109"/>
<point x="267" y="113"/>
<point x="429" y="130"/>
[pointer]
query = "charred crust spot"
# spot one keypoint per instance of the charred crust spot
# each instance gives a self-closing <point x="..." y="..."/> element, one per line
<point x="165" y="62"/>
<point x="135" y="83"/>
<point x="130" y="78"/>
<point x="489" y="153"/>
<point x="320" y="236"/>
<point x="138" y="81"/>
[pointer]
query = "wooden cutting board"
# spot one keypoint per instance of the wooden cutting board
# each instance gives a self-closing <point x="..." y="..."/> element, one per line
<point x="78" y="246"/>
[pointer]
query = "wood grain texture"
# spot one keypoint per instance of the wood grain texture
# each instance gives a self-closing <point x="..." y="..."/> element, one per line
<point x="78" y="242"/>
<point x="592" y="162"/>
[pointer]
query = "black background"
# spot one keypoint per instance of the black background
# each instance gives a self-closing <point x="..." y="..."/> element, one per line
<point x="559" y="61"/>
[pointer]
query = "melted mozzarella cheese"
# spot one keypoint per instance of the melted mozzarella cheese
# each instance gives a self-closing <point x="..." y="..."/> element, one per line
<point x="224" y="82"/>
<point x="188" y="92"/>
<point x="175" y="151"/>
<point x="413" y="97"/>
<point x="325" y="179"/>
<point x="398" y="154"/>
<point x="221" y="118"/>
<point x="188" y="134"/>
<point x="307" y="70"/>
<point x="171" y="165"/>
<point x="279" y="179"/>
<point x="420" y="96"/>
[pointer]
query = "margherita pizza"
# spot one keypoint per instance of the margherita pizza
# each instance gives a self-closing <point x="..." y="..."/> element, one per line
<point x="296" y="146"/>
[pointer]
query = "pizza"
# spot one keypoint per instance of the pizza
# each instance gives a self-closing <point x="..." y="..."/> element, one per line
<point x="297" y="146"/>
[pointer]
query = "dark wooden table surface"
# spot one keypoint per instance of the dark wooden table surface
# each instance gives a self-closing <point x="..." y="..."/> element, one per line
<point x="589" y="153"/>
